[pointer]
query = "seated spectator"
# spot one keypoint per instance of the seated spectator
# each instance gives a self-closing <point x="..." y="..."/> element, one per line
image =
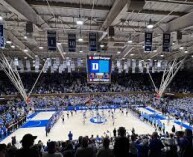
<point x="105" y="151"/>
<point x="142" y="147"/>
<point x="84" y="150"/>
<point x="155" y="146"/>
<point x="185" y="143"/>
<point x="52" y="151"/>
<point x="121" y="147"/>
<point x="68" y="152"/>
<point x="3" y="150"/>
<point x="26" y="150"/>
<point x="132" y="146"/>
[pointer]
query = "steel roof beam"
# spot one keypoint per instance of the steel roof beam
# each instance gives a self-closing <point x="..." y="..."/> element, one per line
<point x="22" y="8"/>
<point x="67" y="5"/>
<point x="158" y="12"/>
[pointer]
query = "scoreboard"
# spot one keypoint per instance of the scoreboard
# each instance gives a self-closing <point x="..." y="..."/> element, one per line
<point x="98" y="69"/>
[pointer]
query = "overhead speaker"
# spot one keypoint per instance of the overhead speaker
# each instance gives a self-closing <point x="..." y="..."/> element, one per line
<point x="111" y="31"/>
<point x="179" y="35"/>
<point x="136" y="5"/>
<point x="29" y="27"/>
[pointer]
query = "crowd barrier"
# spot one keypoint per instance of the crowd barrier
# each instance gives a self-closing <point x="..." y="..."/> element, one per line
<point x="54" y="118"/>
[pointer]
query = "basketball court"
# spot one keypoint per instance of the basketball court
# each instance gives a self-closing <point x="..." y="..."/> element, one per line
<point x="59" y="132"/>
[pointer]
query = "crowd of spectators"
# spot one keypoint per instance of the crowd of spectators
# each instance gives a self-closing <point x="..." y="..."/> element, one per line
<point x="121" y="144"/>
<point x="181" y="108"/>
<point x="12" y="115"/>
<point x="77" y="83"/>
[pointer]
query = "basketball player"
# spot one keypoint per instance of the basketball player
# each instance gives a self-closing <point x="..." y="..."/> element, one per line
<point x="62" y="118"/>
<point x="109" y="113"/>
<point x="127" y="112"/>
<point x="103" y="113"/>
<point x="68" y="114"/>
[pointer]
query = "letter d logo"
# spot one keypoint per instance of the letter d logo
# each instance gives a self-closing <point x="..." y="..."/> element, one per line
<point x="95" y="66"/>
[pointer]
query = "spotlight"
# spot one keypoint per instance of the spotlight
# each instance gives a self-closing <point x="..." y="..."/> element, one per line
<point x="80" y="39"/>
<point x="25" y="50"/>
<point x="41" y="47"/>
<point x="79" y="22"/>
<point x="8" y="42"/>
<point x="1" y="18"/>
<point x="155" y="50"/>
<point x="130" y="41"/>
<point x="150" y="24"/>
<point x="102" y="45"/>
<point x="13" y="46"/>
<point x="181" y="47"/>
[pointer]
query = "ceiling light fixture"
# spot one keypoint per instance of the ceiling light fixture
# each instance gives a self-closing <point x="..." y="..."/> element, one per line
<point x="1" y="18"/>
<point x="181" y="47"/>
<point x="25" y="50"/>
<point x="150" y="24"/>
<point x="41" y="47"/>
<point x="186" y="51"/>
<point x="13" y="46"/>
<point x="25" y="37"/>
<point x="130" y="41"/>
<point x="79" y="22"/>
<point x="8" y="42"/>
<point x="102" y="45"/>
<point x="80" y="39"/>
<point x="81" y="51"/>
<point x="155" y="50"/>
<point x="161" y="55"/>
<point x="131" y="54"/>
<point x="119" y="52"/>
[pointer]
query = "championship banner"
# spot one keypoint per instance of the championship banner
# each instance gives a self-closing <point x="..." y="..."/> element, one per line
<point x="72" y="42"/>
<point x="166" y="42"/>
<point x="2" y="41"/>
<point x="92" y="41"/>
<point x="51" y="40"/>
<point x="148" y="41"/>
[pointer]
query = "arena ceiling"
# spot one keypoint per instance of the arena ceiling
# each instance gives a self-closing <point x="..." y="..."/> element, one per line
<point x="129" y="21"/>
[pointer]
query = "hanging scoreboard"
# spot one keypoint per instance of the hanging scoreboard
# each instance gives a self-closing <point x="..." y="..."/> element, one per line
<point x="98" y="69"/>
